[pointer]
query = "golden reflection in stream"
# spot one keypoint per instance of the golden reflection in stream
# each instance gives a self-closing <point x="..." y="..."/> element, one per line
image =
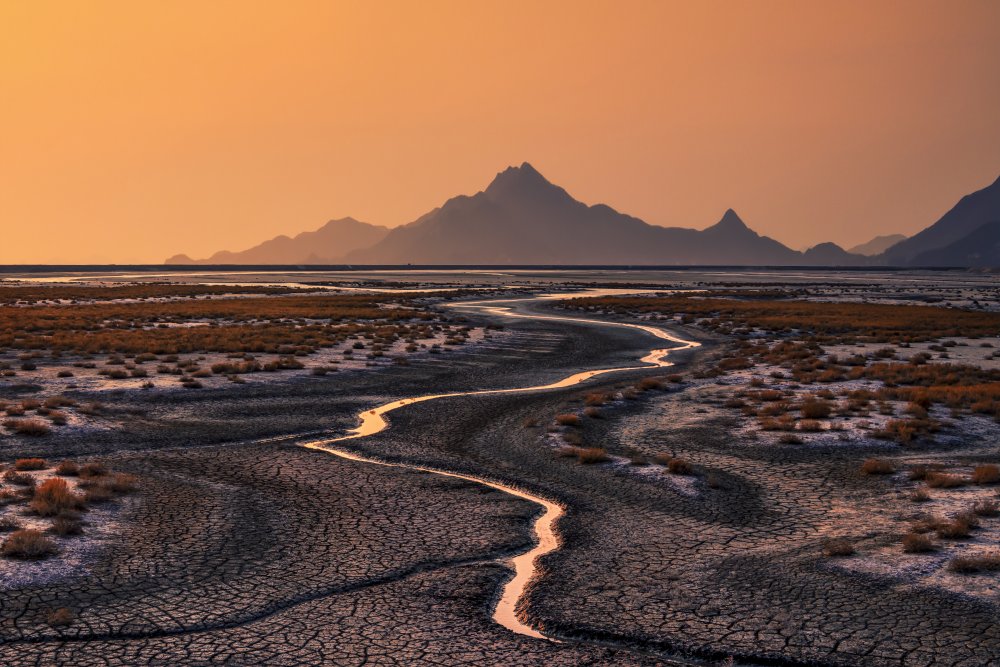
<point x="546" y="538"/>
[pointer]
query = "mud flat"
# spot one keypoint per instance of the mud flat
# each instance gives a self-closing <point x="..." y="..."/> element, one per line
<point x="246" y="548"/>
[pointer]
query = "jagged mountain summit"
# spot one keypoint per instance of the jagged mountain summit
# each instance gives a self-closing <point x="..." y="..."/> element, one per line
<point x="326" y="245"/>
<point x="522" y="218"/>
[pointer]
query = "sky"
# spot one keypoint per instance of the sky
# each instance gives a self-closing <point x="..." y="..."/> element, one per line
<point x="132" y="131"/>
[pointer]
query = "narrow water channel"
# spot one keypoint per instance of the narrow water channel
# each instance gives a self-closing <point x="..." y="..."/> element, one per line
<point x="544" y="528"/>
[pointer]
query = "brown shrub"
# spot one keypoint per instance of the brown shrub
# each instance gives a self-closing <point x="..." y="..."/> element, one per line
<point x="596" y="398"/>
<point x="61" y="617"/>
<point x="810" y="426"/>
<point x="971" y="564"/>
<point x="67" y="525"/>
<point x="19" y="478"/>
<point x="53" y="497"/>
<point x="28" y="544"/>
<point x="920" y="495"/>
<point x="663" y="458"/>
<point x="877" y="467"/>
<point x="987" y="473"/>
<point x="30" y="464"/>
<point x="815" y="409"/>
<point x="838" y="548"/>
<point x="121" y="482"/>
<point x="987" y="507"/>
<point x="97" y="494"/>
<point x="956" y="529"/>
<point x="567" y="451"/>
<point x="942" y="480"/>
<point x="589" y="455"/>
<point x="568" y="419"/>
<point x="30" y="427"/>
<point x="790" y="439"/>
<point x="918" y="543"/>
<point x="679" y="466"/>
<point x="9" y="524"/>
<point x="93" y="469"/>
<point x="647" y="384"/>
<point x="68" y="468"/>
<point x="593" y="413"/>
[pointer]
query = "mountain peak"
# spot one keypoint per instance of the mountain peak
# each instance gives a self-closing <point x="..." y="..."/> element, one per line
<point x="730" y="222"/>
<point x="524" y="178"/>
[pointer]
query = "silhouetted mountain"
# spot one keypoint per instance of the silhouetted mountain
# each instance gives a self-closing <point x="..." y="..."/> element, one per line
<point x="522" y="218"/>
<point x="326" y="245"/>
<point x="831" y="254"/>
<point x="980" y="249"/>
<point x="968" y="215"/>
<point x="877" y="245"/>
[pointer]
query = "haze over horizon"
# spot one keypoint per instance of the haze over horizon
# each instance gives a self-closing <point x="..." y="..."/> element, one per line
<point x="133" y="131"/>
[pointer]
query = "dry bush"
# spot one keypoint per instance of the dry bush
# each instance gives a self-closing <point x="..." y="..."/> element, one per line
<point x="593" y="413"/>
<point x="53" y="497"/>
<point x="957" y="528"/>
<point x="920" y="495"/>
<point x="663" y="458"/>
<point x="986" y="507"/>
<point x="530" y="422"/>
<point x="589" y="455"/>
<point x="28" y="544"/>
<point x="647" y="384"/>
<point x="877" y="467"/>
<point x="61" y="617"/>
<point x="9" y="524"/>
<point x="971" y="564"/>
<point x="121" y="482"/>
<point x="19" y="478"/>
<point x="596" y="398"/>
<point x="97" y="494"/>
<point x="838" y="548"/>
<point x="943" y="480"/>
<point x="93" y="469"/>
<point x="30" y="427"/>
<point x="68" y="468"/>
<point x="918" y="543"/>
<point x="810" y="426"/>
<point x="638" y="460"/>
<point x="567" y="451"/>
<point x="790" y="439"/>
<point x="55" y="402"/>
<point x="30" y="464"/>
<point x="66" y="526"/>
<point x="987" y="473"/>
<point x="679" y="466"/>
<point x="568" y="419"/>
<point x="816" y="409"/>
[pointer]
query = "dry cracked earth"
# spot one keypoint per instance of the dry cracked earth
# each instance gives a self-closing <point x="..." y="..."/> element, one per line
<point x="245" y="548"/>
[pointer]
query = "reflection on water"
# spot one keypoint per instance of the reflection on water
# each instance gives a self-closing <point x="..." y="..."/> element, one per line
<point x="547" y="540"/>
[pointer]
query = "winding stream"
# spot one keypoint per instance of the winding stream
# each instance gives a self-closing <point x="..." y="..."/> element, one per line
<point x="546" y="538"/>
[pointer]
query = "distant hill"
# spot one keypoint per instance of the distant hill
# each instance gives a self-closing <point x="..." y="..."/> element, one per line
<point x="980" y="249"/>
<point x="967" y="216"/>
<point x="831" y="254"/>
<point x="877" y="245"/>
<point x="522" y="218"/>
<point x="326" y="245"/>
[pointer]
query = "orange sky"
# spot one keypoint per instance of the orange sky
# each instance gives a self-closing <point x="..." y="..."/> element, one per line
<point x="135" y="130"/>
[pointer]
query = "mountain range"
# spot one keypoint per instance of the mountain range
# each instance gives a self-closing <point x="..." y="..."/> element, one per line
<point x="522" y="218"/>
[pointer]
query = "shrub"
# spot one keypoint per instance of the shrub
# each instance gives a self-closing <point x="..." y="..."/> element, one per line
<point x="567" y="451"/>
<point x="66" y="525"/>
<point x="838" y="548"/>
<point x="61" y="617"/>
<point x="790" y="439"/>
<point x="97" y="494"/>
<point x="28" y="544"/>
<point x="32" y="427"/>
<point x="663" y="458"/>
<point x="30" y="464"/>
<point x="917" y="543"/>
<point x="647" y="384"/>
<point x="920" y="495"/>
<point x="987" y="473"/>
<point x="121" y="482"/>
<point x="814" y="409"/>
<point x="68" y="468"/>
<point x="596" y="399"/>
<point x="593" y="413"/>
<point x="93" y="469"/>
<point x="941" y="480"/>
<point x="987" y="507"/>
<point x="53" y="497"/>
<point x="678" y="466"/>
<point x="19" y="478"/>
<point x="956" y="529"/>
<point x="970" y="564"/>
<point x="568" y="420"/>
<point x="589" y="455"/>
<point x="877" y="467"/>
<point x="9" y="524"/>
<point x="810" y="426"/>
